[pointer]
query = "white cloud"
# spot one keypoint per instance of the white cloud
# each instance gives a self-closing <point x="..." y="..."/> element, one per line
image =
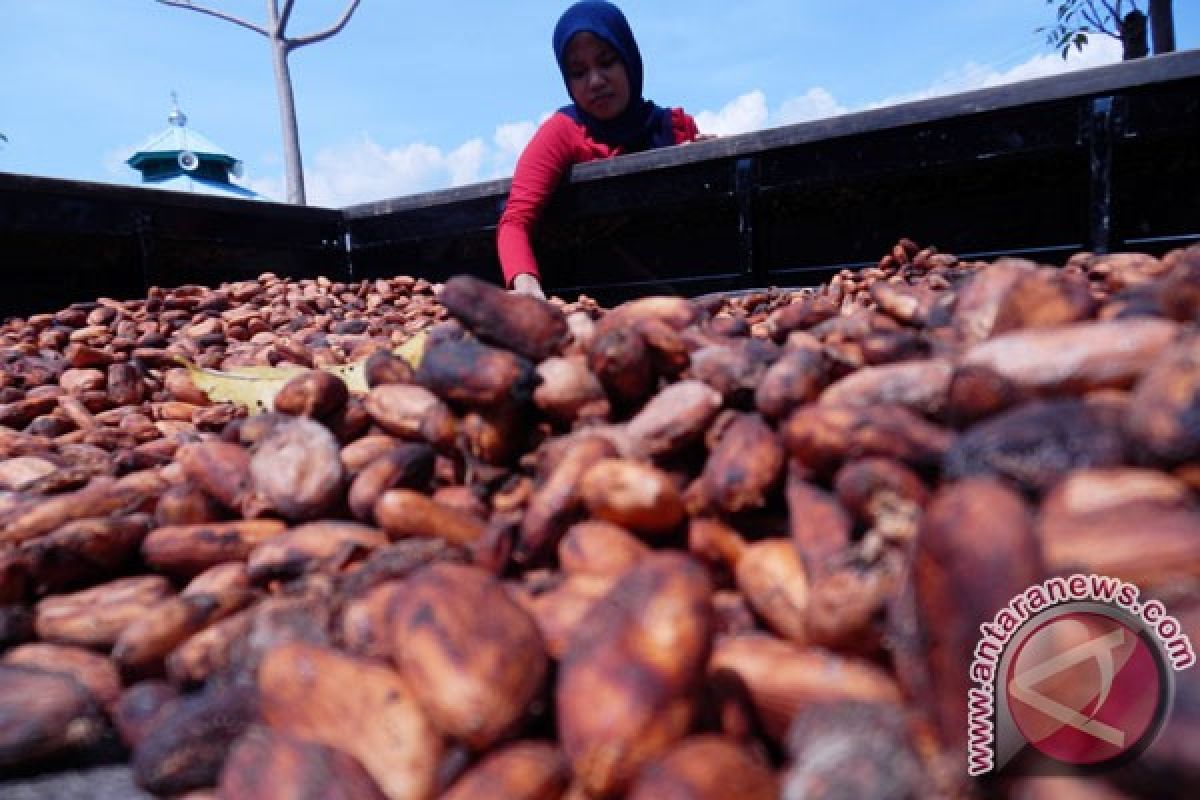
<point x="816" y="103"/>
<point x="742" y="114"/>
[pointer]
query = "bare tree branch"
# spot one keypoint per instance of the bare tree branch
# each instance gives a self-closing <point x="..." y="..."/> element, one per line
<point x="188" y="4"/>
<point x="285" y="15"/>
<point x="301" y="41"/>
<point x="1100" y="27"/>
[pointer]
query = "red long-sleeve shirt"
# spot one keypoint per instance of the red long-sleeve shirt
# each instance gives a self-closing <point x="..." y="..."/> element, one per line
<point x="558" y="144"/>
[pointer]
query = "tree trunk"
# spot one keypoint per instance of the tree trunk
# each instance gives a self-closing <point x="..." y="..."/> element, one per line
<point x="1134" y="39"/>
<point x="287" y="122"/>
<point x="1162" y="26"/>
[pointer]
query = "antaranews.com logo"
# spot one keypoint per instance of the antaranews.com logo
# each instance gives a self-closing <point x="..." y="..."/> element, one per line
<point x="1076" y="668"/>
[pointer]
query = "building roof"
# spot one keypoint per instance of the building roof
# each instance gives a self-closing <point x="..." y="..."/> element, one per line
<point x="186" y="183"/>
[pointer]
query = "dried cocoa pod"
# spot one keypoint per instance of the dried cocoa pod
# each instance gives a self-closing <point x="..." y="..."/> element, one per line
<point x="819" y="526"/>
<point x="1075" y="358"/>
<point x="734" y="370"/>
<point x="474" y="375"/>
<point x="822" y="437"/>
<point x="920" y="386"/>
<point x="94" y="672"/>
<point x="45" y="714"/>
<point x="527" y="770"/>
<point x="705" y="767"/>
<point x="315" y="393"/>
<point x="635" y="496"/>
<point x="265" y="765"/>
<point x="408" y="466"/>
<point x="846" y="610"/>
<point x="1034" y="444"/>
<point x="96" y="617"/>
<point x="383" y="368"/>
<point x="673" y="418"/>
<point x="402" y="512"/>
<point x="298" y="469"/>
<point x="361" y="708"/>
<point x="795" y="379"/>
<point x="399" y="560"/>
<point x="209" y="652"/>
<point x="356" y="455"/>
<point x="145" y="642"/>
<point x="558" y="500"/>
<point x="565" y="388"/>
<point x="325" y="546"/>
<point x="783" y="679"/>
<point x="979" y="300"/>
<point x="798" y="316"/>
<point x="911" y="305"/>
<point x="558" y="611"/>
<point x="188" y="550"/>
<point x="976" y="550"/>
<point x="99" y="498"/>
<point x="125" y="385"/>
<point x="977" y="392"/>
<point x="222" y="578"/>
<point x="221" y="469"/>
<point x="473" y="675"/>
<point x="21" y="472"/>
<point x="526" y="325"/>
<point x="1043" y="300"/>
<point x="84" y="551"/>
<point x="185" y="744"/>
<point x="882" y="494"/>
<point x="667" y="348"/>
<point x="366" y="621"/>
<point x="400" y="408"/>
<point x="1159" y="418"/>
<point x="186" y="504"/>
<point x="887" y="347"/>
<point x="641" y="652"/>
<point x="853" y="749"/>
<point x="620" y="361"/>
<point x="1087" y="491"/>
<point x="138" y="707"/>
<point x="771" y="577"/>
<point x="599" y="548"/>
<point x="715" y="543"/>
<point x="493" y="437"/>
<point x="744" y="466"/>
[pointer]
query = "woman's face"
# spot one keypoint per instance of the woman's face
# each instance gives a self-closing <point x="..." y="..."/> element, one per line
<point x="596" y="76"/>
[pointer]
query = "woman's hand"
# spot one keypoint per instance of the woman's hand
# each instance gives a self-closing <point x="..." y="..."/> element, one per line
<point x="528" y="284"/>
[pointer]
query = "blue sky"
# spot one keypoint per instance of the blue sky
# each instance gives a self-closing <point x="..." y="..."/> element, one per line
<point x="417" y="96"/>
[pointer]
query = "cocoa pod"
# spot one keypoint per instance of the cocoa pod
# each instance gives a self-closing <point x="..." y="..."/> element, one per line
<point x="92" y="671"/>
<point x="186" y="505"/>
<point x="46" y="714"/>
<point x="558" y="500"/>
<point x="979" y="300"/>
<point x="522" y="771"/>
<point x="565" y="388"/>
<point x="23" y="471"/>
<point x="138" y="707"/>
<point x="795" y="379"/>
<point x="99" y="498"/>
<point x="823" y="437"/>
<point x="920" y="386"/>
<point x="221" y="469"/>
<point x="298" y="469"/>
<point x="84" y="551"/>
<point x="771" y="577"/>
<point x="402" y="512"/>
<point x="475" y="375"/>
<point x="1043" y="300"/>
<point x="882" y="494"/>
<point x="782" y="679"/>
<point x="144" y="643"/>
<point x="188" y="550"/>
<point x="323" y="546"/>
<point x="558" y="611"/>
<point x="220" y="579"/>
<point x="744" y="466"/>
<point x="366" y="621"/>
<point x="705" y="767"/>
<point x="96" y="617"/>
<point x="474" y="676"/>
<point x="819" y="526"/>
<point x="408" y="411"/>
<point x="358" y="707"/>
<point x="185" y="744"/>
<point x="641" y="652"/>
<point x="736" y="370"/>
<point x="405" y="466"/>
<point x="526" y="325"/>
<point x="599" y="548"/>
<point x="358" y="454"/>
<point x="265" y="765"/>
<point x="315" y="393"/>
<point x="384" y="368"/>
<point x="210" y="651"/>
<point x="125" y="385"/>
<point x="620" y="361"/>
<point x="1159" y="419"/>
<point x="635" y="496"/>
<point x="673" y="418"/>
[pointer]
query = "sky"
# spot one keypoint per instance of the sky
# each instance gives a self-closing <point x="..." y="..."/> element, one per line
<point x="411" y="97"/>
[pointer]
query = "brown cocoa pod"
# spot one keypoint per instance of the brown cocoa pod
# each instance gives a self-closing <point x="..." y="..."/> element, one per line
<point x="265" y="765"/>
<point x="325" y="546"/>
<point x="298" y="470"/>
<point x="640" y="652"/>
<point x="399" y="560"/>
<point x="527" y="770"/>
<point x="366" y="621"/>
<point x="771" y="577"/>
<point x="976" y="550"/>
<point x="744" y="466"/>
<point x="314" y="393"/>
<point x="23" y="471"/>
<point x="178" y="385"/>
<point x="734" y="370"/>
<point x="45" y="714"/>
<point x="407" y="466"/>
<point x="125" y="385"/>
<point x="402" y="410"/>
<point x="383" y="368"/>
<point x="668" y="350"/>
<point x="635" y="496"/>
<point x="99" y="498"/>
<point x="223" y="578"/>
<point x="559" y="610"/>
<point x="823" y="437"/>
<point x="882" y="494"/>
<point x="361" y="708"/>
<point x="210" y="651"/>
<point x="493" y="437"/>
<point x="94" y="672"/>
<point x="186" y="504"/>
<point x="96" y="617"/>
<point x="912" y="305"/>
<point x="145" y="642"/>
<point x="799" y="316"/>
<point x="1034" y="444"/>
<point x="475" y="376"/>
<point x="620" y="361"/>
<point x="783" y="679"/>
<point x="84" y="551"/>
<point x="358" y="454"/>
<point x="977" y="392"/>
<point x="819" y="526"/>
<point x="599" y="548"/>
<point x="672" y="419"/>
<point x="185" y="744"/>
<point x="1043" y="300"/>
<point x="565" y="387"/>
<point x="853" y="749"/>
<point x="1075" y="358"/>
<point x="138" y="707"/>
<point x="979" y="299"/>
<point x="705" y="767"/>
<point x="796" y="378"/>
<point x="221" y="469"/>
<point x="887" y="347"/>
<point x="558" y="500"/>
<point x="1163" y="405"/>
<point x="920" y="386"/>
<point x="846" y="610"/>
<point x="715" y="543"/>
<point x="403" y="512"/>
<point x="473" y="675"/>
<point x="188" y="550"/>
<point x="526" y="325"/>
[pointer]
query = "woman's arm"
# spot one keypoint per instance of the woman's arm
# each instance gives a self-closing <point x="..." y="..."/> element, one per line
<point x="547" y="157"/>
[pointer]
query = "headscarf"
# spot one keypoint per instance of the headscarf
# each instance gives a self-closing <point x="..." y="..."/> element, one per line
<point x="642" y="125"/>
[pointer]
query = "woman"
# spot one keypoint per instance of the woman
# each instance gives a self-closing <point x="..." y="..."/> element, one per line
<point x="608" y="116"/>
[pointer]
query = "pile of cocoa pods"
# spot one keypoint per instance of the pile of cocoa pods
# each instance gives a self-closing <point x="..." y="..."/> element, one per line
<point x="709" y="548"/>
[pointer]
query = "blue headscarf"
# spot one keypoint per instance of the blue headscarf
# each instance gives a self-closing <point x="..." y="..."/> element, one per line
<point x="642" y="125"/>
